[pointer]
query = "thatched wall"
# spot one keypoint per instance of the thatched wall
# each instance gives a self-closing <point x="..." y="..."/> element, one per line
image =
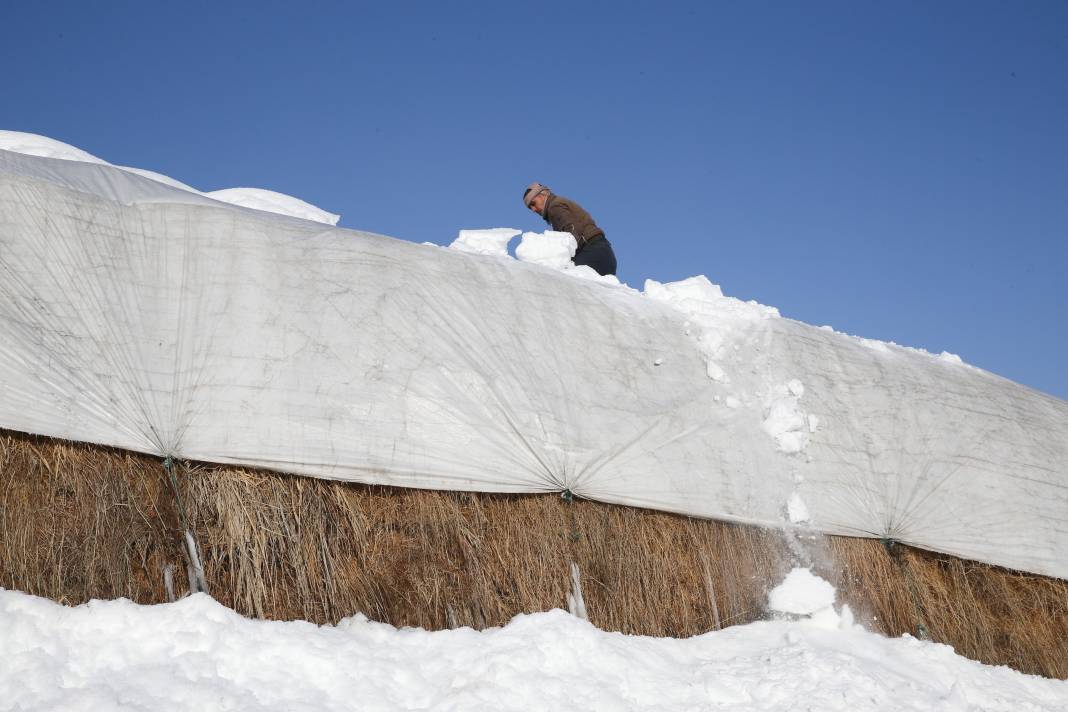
<point x="80" y="522"/>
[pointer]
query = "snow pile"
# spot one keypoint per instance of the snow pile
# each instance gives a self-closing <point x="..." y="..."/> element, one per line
<point x="255" y="198"/>
<point x="796" y="509"/>
<point x="197" y="655"/>
<point x="549" y="248"/>
<point x="485" y="242"/>
<point x="272" y="202"/>
<point x="805" y="595"/>
<point x="785" y="421"/>
<point x="715" y="315"/>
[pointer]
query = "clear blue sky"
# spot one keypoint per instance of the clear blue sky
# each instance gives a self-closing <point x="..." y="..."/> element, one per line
<point x="897" y="170"/>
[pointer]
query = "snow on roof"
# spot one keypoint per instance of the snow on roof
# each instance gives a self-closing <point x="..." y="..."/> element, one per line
<point x="272" y="202"/>
<point x="254" y="198"/>
<point x="34" y="145"/>
<point x="160" y="178"/>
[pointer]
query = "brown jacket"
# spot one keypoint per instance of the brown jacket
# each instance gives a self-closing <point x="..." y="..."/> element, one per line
<point x="565" y="215"/>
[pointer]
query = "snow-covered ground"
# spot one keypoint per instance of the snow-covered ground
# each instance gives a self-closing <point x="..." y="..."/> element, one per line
<point x="197" y="655"/>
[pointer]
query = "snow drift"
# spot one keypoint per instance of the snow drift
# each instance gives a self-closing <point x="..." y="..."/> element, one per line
<point x="195" y="654"/>
<point x="144" y="316"/>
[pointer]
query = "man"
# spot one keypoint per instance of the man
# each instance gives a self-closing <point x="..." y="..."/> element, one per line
<point x="565" y="215"/>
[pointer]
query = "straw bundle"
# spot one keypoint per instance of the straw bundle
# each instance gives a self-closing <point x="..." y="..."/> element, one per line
<point x="81" y="521"/>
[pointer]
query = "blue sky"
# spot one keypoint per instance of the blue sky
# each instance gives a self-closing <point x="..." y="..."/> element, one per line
<point x="897" y="170"/>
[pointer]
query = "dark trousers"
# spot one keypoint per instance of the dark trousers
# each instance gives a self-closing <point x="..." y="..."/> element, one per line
<point x="597" y="253"/>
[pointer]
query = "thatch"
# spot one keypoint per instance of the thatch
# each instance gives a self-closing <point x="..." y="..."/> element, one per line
<point x="80" y="521"/>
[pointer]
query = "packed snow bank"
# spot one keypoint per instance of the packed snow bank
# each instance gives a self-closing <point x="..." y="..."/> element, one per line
<point x="254" y="198"/>
<point x="272" y="202"/>
<point x="196" y="655"/>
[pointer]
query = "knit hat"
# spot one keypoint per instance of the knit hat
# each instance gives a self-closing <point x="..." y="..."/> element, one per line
<point x="533" y="190"/>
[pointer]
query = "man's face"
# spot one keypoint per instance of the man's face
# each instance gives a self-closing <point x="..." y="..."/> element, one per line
<point x="538" y="203"/>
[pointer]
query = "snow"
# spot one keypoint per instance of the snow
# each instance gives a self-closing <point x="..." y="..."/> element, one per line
<point x="549" y="248"/>
<point x="801" y="593"/>
<point x="554" y="250"/>
<point x="272" y="202"/>
<point x="34" y="145"/>
<point x="714" y="315"/>
<point x="160" y="178"/>
<point x="785" y="421"/>
<point x="888" y="347"/>
<point x="796" y="509"/>
<point x="484" y="242"/>
<point x="255" y="198"/>
<point x="197" y="655"/>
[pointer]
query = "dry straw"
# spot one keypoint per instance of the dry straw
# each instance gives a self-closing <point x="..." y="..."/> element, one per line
<point x="80" y="521"/>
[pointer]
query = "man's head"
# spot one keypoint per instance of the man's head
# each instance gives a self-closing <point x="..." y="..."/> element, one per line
<point x="535" y="195"/>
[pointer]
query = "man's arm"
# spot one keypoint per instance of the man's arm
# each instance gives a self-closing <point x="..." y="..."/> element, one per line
<point x="562" y="219"/>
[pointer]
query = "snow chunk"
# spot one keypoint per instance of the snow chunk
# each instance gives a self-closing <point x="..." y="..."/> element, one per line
<point x="272" y="202"/>
<point x="796" y="509"/>
<point x="589" y="273"/>
<point x="715" y="316"/>
<point x="950" y="358"/>
<point x="493" y="241"/>
<point x="34" y="145"/>
<point x="692" y="295"/>
<point x="549" y="248"/>
<point x="784" y="419"/>
<point x="801" y="593"/>
<point x="700" y="298"/>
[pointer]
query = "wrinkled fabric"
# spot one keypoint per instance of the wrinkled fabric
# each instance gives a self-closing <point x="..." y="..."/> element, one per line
<point x="140" y="316"/>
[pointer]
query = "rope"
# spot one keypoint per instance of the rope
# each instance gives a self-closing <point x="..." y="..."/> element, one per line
<point x="569" y="497"/>
<point x="197" y="581"/>
<point x="168" y="467"/>
<point x="575" y="601"/>
<point x="894" y="549"/>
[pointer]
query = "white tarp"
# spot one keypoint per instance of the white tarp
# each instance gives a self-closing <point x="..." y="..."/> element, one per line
<point x="147" y="317"/>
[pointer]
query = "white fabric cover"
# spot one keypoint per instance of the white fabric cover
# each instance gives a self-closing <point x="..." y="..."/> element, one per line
<point x="142" y="316"/>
